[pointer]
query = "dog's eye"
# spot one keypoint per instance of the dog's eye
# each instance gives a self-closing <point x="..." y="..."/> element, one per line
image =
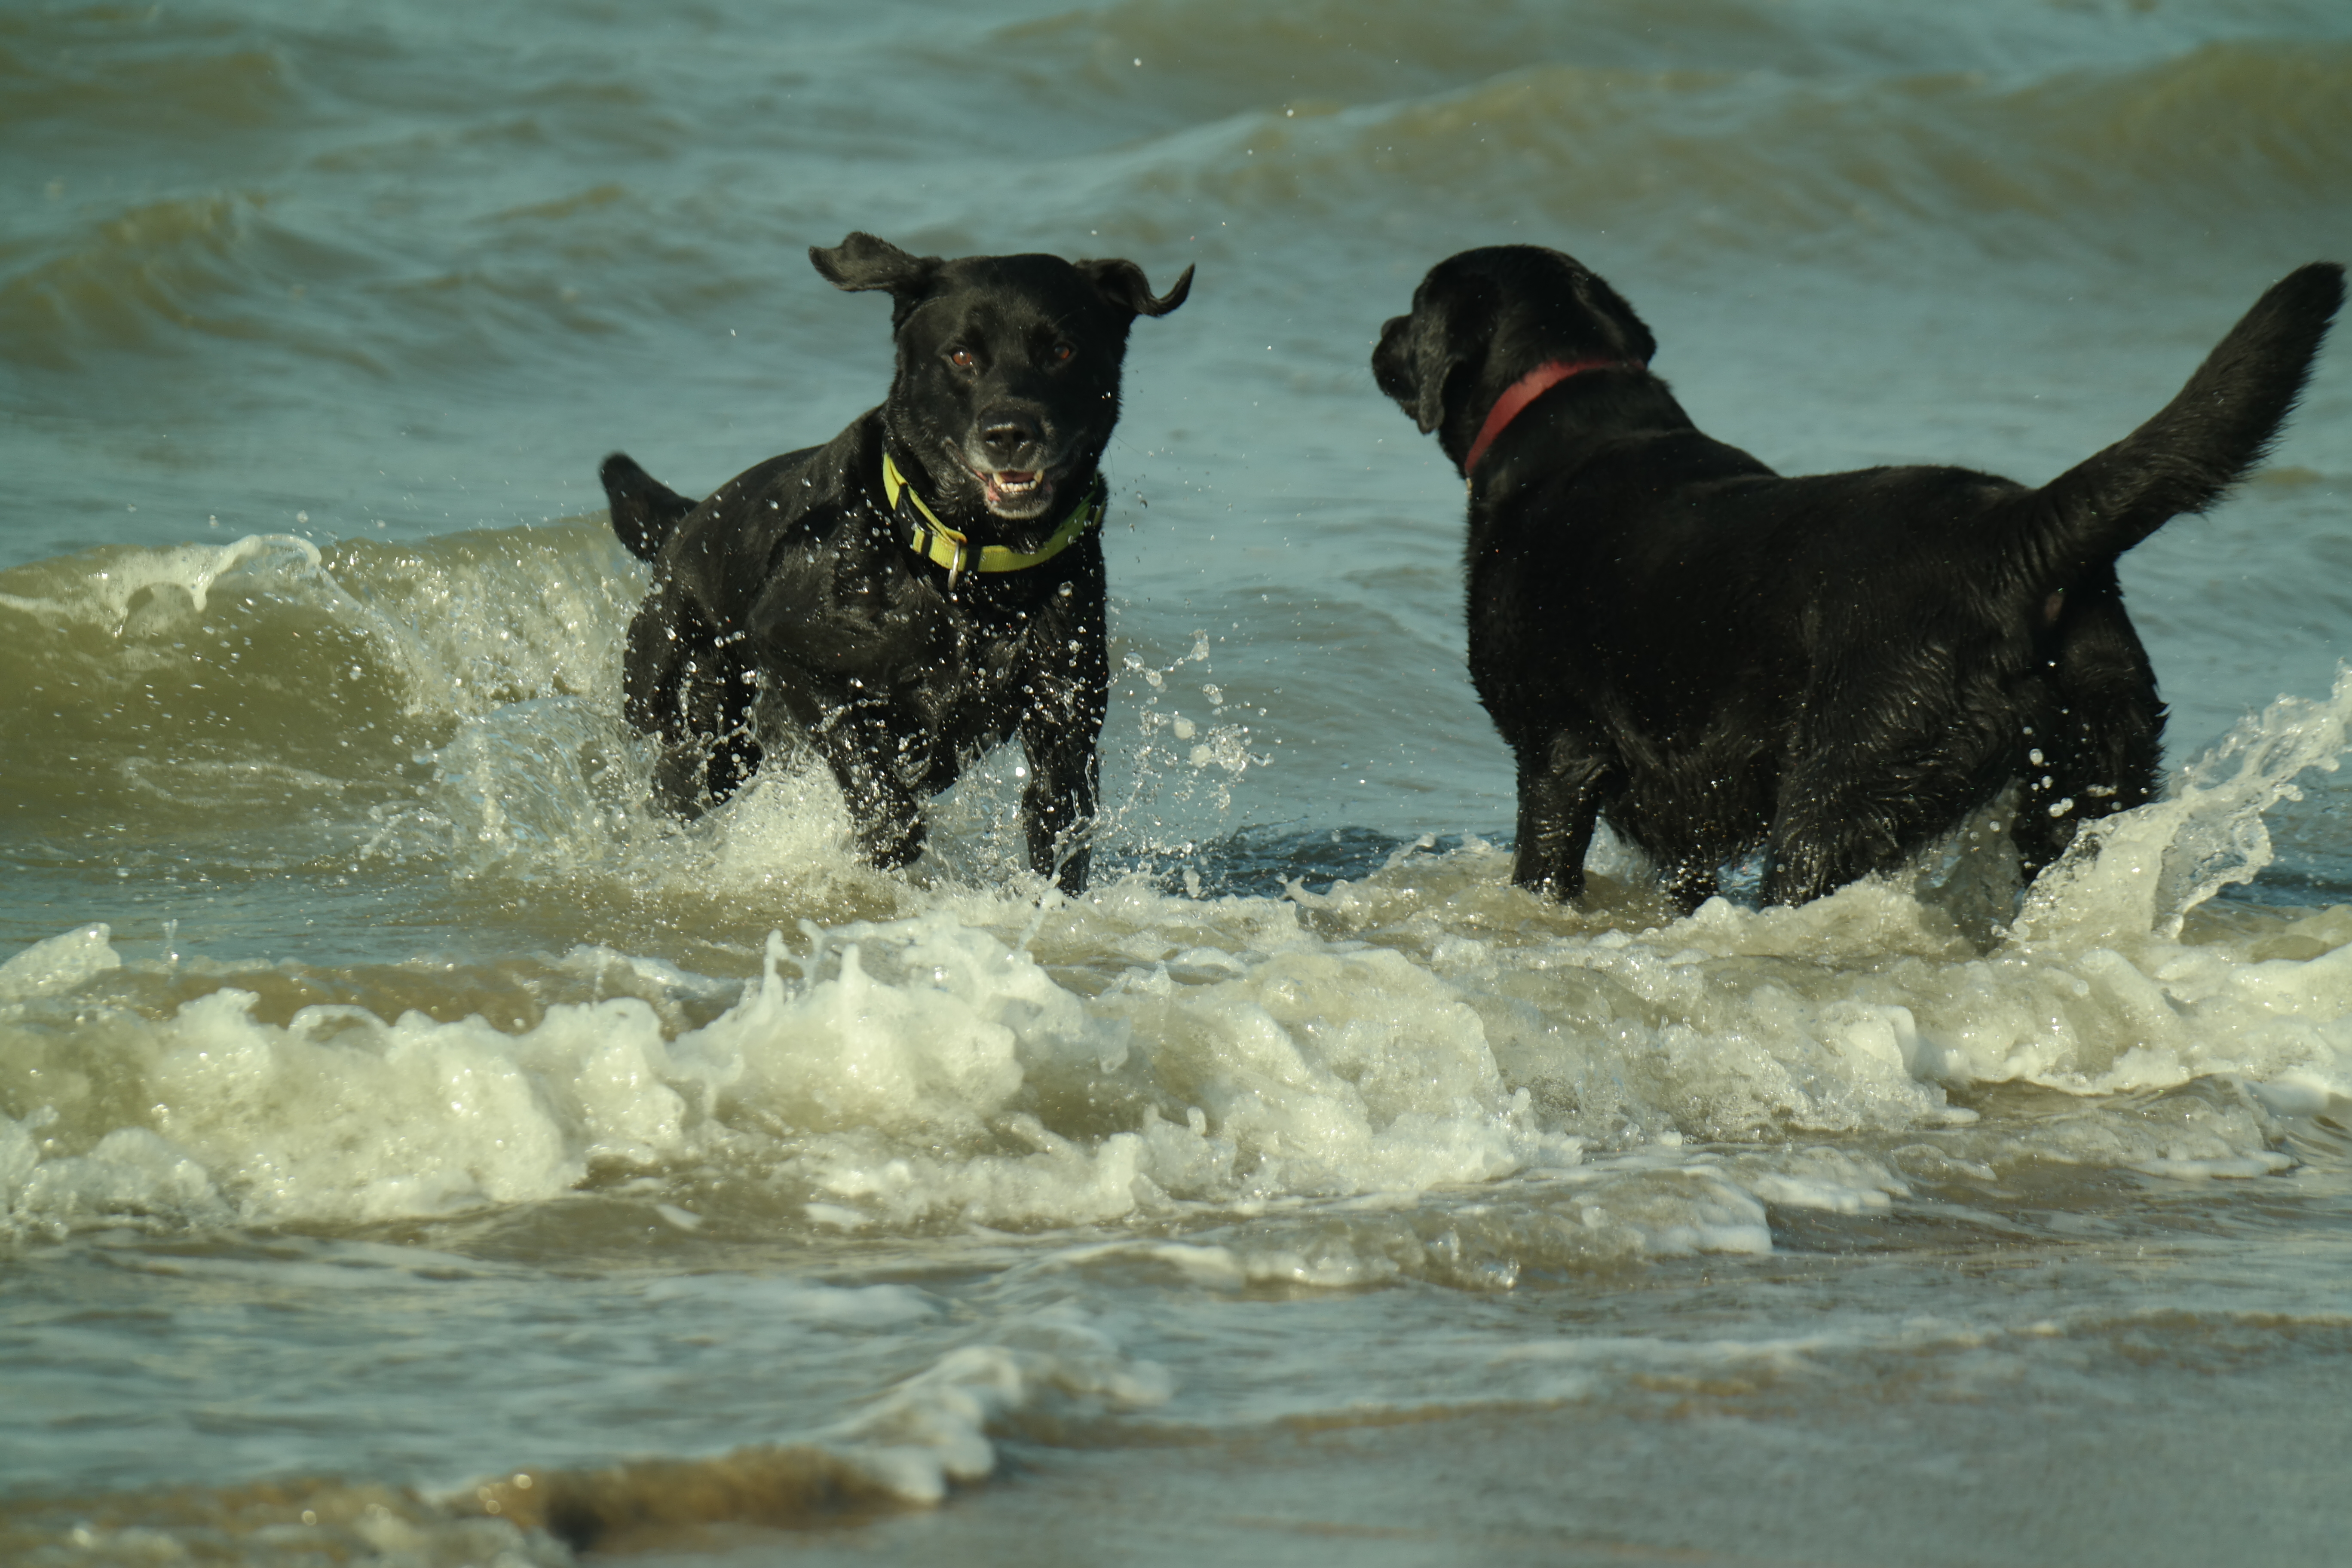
<point x="962" y="359"/>
<point x="1063" y="352"/>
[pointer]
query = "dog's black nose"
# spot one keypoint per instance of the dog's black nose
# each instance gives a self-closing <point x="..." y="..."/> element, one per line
<point x="1004" y="434"/>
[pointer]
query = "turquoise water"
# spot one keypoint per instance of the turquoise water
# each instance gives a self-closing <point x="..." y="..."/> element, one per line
<point x="390" y="1107"/>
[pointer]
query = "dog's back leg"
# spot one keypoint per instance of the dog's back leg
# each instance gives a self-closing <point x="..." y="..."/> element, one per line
<point x="1883" y="765"/>
<point x="1560" y="785"/>
<point x="653" y="674"/>
<point x="2095" y="744"/>
<point x="1837" y="822"/>
<point x="678" y="684"/>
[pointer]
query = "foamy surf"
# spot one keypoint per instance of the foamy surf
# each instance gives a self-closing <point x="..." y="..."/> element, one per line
<point x="1141" y="1057"/>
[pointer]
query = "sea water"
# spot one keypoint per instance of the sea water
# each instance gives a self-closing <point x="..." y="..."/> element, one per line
<point x="415" y="1151"/>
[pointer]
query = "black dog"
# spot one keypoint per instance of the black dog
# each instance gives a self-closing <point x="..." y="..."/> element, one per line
<point x="924" y="586"/>
<point x="1838" y="669"/>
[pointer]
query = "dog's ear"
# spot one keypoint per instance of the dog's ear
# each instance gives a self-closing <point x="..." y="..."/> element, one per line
<point x="1412" y="365"/>
<point x="1123" y="284"/>
<point x="1607" y="302"/>
<point x="863" y="262"/>
<point x="1428" y="398"/>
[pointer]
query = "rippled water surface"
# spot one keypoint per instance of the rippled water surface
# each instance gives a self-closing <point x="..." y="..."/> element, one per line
<point x="413" y="1151"/>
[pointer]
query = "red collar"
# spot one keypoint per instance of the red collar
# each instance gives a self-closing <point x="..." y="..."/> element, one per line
<point x="1524" y="390"/>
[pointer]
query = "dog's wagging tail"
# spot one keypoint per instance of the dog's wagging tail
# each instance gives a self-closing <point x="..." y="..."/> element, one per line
<point x="1834" y="669"/>
<point x="924" y="586"/>
<point x="2222" y="424"/>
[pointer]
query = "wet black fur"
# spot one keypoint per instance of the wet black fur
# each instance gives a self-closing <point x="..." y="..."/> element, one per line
<point x="793" y="585"/>
<point x="1836" y="669"/>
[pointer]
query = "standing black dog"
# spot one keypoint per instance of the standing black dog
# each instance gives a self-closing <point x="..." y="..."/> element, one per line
<point x="924" y="586"/>
<point x="1838" y="669"/>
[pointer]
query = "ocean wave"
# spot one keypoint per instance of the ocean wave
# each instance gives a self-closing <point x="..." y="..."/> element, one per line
<point x="154" y="275"/>
<point x="2250" y="132"/>
<point x="204" y="682"/>
<point x="1731" y="122"/>
<point x="906" y="1448"/>
<point x="197" y="81"/>
<point x="1207" y="58"/>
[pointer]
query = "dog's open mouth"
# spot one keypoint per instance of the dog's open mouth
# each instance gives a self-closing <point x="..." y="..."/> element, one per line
<point x="1016" y="493"/>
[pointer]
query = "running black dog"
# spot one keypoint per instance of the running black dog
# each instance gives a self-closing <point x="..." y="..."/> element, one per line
<point x="923" y="587"/>
<point x="1837" y="669"/>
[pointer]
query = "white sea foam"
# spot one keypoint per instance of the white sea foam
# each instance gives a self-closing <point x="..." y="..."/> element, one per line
<point x="57" y="963"/>
<point x="2135" y="875"/>
<point x="136" y="592"/>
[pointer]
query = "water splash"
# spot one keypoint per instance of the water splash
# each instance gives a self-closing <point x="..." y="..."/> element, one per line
<point x="2139" y="873"/>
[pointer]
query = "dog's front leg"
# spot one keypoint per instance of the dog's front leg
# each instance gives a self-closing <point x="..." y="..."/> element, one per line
<point x="863" y="748"/>
<point x="1057" y="805"/>
<point x="1559" y="798"/>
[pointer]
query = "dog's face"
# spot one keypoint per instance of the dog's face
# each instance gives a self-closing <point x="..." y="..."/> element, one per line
<point x="1482" y="319"/>
<point x="1007" y="381"/>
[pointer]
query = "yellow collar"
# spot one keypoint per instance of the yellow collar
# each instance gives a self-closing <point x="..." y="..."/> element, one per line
<point x="935" y="541"/>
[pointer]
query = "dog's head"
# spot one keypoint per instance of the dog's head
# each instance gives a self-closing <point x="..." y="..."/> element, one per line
<point x="1482" y="319"/>
<point x="1007" y="381"/>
